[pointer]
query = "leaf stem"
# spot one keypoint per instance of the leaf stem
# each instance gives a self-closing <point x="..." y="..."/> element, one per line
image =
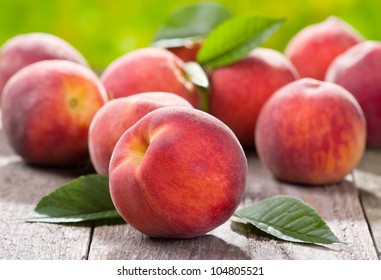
<point x="204" y="99"/>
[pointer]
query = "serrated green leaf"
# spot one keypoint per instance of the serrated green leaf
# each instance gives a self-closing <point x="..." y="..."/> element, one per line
<point x="83" y="199"/>
<point x="234" y="39"/>
<point x="290" y="219"/>
<point x="191" y="22"/>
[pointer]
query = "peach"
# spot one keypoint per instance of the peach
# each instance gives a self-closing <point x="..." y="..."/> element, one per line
<point x="187" y="52"/>
<point x="24" y="49"/>
<point x="178" y="172"/>
<point x="47" y="108"/>
<point x="149" y="69"/>
<point x="359" y="71"/>
<point x="314" y="47"/>
<point x="238" y="91"/>
<point x="119" y="114"/>
<point x="311" y="132"/>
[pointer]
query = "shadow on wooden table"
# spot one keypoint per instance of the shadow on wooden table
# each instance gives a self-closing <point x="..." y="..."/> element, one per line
<point x="118" y="240"/>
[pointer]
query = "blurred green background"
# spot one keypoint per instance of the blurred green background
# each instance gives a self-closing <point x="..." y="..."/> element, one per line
<point x="104" y="29"/>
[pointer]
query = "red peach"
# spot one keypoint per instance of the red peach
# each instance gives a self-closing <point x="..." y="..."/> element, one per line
<point x="187" y="52"/>
<point x="119" y="114"/>
<point x="311" y="132"/>
<point x="313" y="48"/>
<point x="238" y="91"/>
<point x="149" y="69"/>
<point x="26" y="49"/>
<point x="359" y="71"/>
<point x="178" y="172"/>
<point x="47" y="108"/>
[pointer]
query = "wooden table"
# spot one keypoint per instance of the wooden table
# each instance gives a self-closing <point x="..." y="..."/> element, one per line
<point x="352" y="209"/>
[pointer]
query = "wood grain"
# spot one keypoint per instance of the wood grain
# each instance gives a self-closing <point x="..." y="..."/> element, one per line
<point x="21" y="186"/>
<point x="368" y="180"/>
<point x="338" y="204"/>
<point x="121" y="241"/>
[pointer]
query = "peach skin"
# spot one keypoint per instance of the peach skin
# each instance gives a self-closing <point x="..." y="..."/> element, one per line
<point x="47" y="108"/>
<point x="119" y="114"/>
<point x="25" y="49"/>
<point x="359" y="71"/>
<point x="314" y="47"/>
<point x="238" y="91"/>
<point x="311" y="132"/>
<point x="177" y="173"/>
<point x="149" y="69"/>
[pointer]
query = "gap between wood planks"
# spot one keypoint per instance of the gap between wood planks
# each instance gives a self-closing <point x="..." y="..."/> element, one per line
<point x="368" y="222"/>
<point x="93" y="225"/>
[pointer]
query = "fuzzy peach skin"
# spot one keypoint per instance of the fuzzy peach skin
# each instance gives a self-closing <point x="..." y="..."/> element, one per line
<point x="314" y="47"/>
<point x="238" y="91"/>
<point x="359" y="71"/>
<point x="149" y="69"/>
<point x="119" y="114"/>
<point x="177" y="173"/>
<point x="47" y="108"/>
<point x="311" y="132"/>
<point x="25" y="49"/>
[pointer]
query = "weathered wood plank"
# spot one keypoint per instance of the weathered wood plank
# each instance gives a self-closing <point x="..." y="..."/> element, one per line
<point x="21" y="186"/>
<point x="368" y="180"/>
<point x="120" y="241"/>
<point x="338" y="204"/>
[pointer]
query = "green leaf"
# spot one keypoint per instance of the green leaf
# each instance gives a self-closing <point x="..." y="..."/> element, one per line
<point x="234" y="39"/>
<point x="191" y="22"/>
<point x="290" y="219"/>
<point x="198" y="77"/>
<point x="196" y="74"/>
<point x="83" y="199"/>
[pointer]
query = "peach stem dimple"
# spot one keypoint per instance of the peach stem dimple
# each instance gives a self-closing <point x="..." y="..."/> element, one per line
<point x="73" y="102"/>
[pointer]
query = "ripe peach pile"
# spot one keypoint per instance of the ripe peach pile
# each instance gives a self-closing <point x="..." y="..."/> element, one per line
<point x="174" y="170"/>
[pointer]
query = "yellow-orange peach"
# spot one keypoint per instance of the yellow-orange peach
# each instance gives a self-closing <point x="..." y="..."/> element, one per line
<point x="47" y="108"/>
<point x="119" y="114"/>
<point x="311" y="132"/>
<point x="178" y="172"/>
